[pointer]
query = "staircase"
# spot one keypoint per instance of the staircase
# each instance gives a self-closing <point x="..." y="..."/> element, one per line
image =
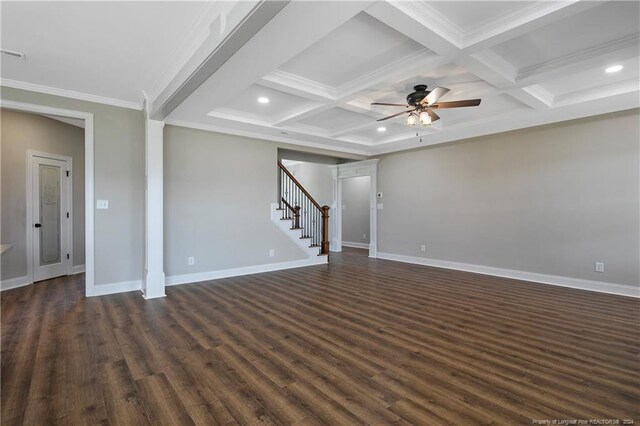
<point x="307" y="221"/>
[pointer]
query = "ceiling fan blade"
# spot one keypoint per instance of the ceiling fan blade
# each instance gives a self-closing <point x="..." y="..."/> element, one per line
<point x="457" y="104"/>
<point x="395" y="115"/>
<point x="386" y="104"/>
<point x="434" y="95"/>
<point x="433" y="115"/>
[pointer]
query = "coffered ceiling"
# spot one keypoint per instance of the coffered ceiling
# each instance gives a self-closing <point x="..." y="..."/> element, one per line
<point x="321" y="64"/>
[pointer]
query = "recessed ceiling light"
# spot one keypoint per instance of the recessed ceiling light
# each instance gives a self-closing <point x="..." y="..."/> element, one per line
<point x="613" y="68"/>
<point x="263" y="100"/>
<point x="382" y="129"/>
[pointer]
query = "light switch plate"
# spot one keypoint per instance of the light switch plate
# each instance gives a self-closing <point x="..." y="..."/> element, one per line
<point x="380" y="206"/>
<point x="102" y="204"/>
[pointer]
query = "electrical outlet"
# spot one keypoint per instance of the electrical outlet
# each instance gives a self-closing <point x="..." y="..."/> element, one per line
<point x="423" y="248"/>
<point x="599" y="266"/>
<point x="272" y="252"/>
<point x="102" y="204"/>
<point x="191" y="260"/>
<point x="364" y="236"/>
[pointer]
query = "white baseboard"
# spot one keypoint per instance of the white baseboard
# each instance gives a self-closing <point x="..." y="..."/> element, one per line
<point x="14" y="283"/>
<point x="246" y="270"/>
<point x="121" y="287"/>
<point x="78" y="269"/>
<point x="598" y="286"/>
<point x="355" y="245"/>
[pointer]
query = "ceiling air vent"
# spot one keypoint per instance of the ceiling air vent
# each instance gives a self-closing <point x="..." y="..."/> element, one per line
<point x="13" y="54"/>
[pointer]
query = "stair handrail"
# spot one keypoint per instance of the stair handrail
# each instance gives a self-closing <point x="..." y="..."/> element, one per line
<point x="324" y="210"/>
<point x="304" y="191"/>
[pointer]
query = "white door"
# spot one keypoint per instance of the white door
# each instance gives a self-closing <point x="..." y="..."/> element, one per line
<point x="50" y="227"/>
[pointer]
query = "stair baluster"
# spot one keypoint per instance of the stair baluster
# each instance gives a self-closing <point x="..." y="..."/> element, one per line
<point x="297" y="204"/>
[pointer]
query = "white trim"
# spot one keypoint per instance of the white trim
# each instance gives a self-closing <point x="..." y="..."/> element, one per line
<point x="69" y="94"/>
<point x="31" y="154"/>
<point x="154" y="278"/>
<point x="89" y="222"/>
<point x="14" y="283"/>
<point x="345" y="171"/>
<point x="120" y="287"/>
<point x="582" y="284"/>
<point x="355" y="245"/>
<point x="245" y="270"/>
<point x="77" y="269"/>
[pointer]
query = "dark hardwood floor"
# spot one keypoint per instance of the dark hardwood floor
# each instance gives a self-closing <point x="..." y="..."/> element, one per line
<point x="357" y="341"/>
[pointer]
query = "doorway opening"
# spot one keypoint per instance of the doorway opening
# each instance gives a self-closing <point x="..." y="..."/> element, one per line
<point x="355" y="213"/>
<point x="48" y="220"/>
<point x="341" y="173"/>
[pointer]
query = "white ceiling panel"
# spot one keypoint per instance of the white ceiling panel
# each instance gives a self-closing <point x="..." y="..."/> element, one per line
<point x="360" y="46"/>
<point x="594" y="27"/>
<point x="594" y="78"/>
<point x="280" y="104"/>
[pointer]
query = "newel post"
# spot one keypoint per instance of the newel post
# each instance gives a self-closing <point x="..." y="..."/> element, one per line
<point x="325" y="230"/>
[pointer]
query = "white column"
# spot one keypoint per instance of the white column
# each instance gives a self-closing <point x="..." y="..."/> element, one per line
<point x="153" y="285"/>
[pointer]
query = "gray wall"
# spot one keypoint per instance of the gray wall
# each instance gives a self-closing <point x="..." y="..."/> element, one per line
<point x="551" y="199"/>
<point x="355" y="209"/>
<point x="317" y="179"/>
<point x="119" y="178"/>
<point x="21" y="132"/>
<point x="218" y="192"/>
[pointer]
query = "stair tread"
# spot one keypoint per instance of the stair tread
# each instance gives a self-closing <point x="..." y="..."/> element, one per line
<point x="295" y="228"/>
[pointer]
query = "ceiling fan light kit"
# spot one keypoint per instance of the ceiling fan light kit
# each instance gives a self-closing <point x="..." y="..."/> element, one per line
<point x="423" y="102"/>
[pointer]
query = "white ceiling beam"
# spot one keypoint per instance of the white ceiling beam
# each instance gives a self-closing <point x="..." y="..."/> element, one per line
<point x="408" y="18"/>
<point x="253" y="17"/>
<point x="535" y="97"/>
<point x="280" y="40"/>
<point x="308" y="111"/>
<point x="490" y="67"/>
<point x="299" y="86"/>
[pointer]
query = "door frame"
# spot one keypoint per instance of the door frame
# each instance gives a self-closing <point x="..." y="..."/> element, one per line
<point x="349" y="170"/>
<point x="31" y="154"/>
<point x="89" y="185"/>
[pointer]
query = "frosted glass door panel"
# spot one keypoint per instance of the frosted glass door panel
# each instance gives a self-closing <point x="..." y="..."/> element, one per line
<point x="50" y="250"/>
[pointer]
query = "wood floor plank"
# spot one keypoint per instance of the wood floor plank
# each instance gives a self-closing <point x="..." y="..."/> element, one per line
<point x="358" y="341"/>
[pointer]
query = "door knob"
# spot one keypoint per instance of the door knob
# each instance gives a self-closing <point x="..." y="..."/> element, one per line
<point x="37" y="225"/>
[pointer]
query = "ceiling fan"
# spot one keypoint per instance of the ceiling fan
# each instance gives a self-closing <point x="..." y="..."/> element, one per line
<point x="422" y="103"/>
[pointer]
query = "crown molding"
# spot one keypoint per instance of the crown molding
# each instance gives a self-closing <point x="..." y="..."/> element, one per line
<point x="15" y="84"/>
<point x="629" y="43"/>
<point x="300" y="84"/>
<point x="614" y="89"/>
